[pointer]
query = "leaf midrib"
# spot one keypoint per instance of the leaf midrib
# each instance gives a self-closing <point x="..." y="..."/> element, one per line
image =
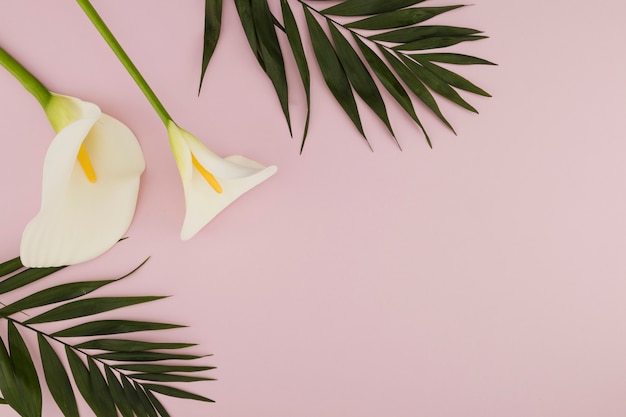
<point x="343" y="26"/>
<point x="68" y="345"/>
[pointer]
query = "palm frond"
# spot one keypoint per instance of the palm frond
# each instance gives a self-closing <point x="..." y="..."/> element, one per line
<point x="111" y="373"/>
<point x="359" y="44"/>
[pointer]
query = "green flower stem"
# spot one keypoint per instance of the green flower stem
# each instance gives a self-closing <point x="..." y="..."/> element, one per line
<point x="125" y="60"/>
<point x="28" y="80"/>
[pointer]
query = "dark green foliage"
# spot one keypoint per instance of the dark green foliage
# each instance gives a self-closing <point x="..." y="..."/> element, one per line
<point x="212" y="27"/>
<point x="332" y="70"/>
<point x="106" y="385"/>
<point x="373" y="42"/>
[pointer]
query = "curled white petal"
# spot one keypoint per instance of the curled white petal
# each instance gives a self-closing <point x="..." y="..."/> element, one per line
<point x="79" y="220"/>
<point x="235" y="174"/>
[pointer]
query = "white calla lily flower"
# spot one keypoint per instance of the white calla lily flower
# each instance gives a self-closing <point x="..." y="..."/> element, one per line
<point x="210" y="182"/>
<point x="90" y="186"/>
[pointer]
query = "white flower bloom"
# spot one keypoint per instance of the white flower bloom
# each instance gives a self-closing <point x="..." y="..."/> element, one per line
<point x="210" y="182"/>
<point x="90" y="186"/>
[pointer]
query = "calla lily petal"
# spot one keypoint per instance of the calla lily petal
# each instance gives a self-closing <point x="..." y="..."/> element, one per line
<point x="79" y="220"/>
<point x="235" y="175"/>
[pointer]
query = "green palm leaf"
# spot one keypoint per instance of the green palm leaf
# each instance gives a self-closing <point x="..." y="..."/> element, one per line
<point x="175" y="392"/>
<point x="400" y="18"/>
<point x="334" y="73"/>
<point x="105" y="384"/>
<point x="104" y="327"/>
<point x="366" y="7"/>
<point x="88" y="307"/>
<point x="359" y="77"/>
<point x="448" y="58"/>
<point x="436" y="84"/>
<point x="212" y="28"/>
<point x="103" y="396"/>
<point x="417" y="33"/>
<point x="53" y="295"/>
<point x="135" y="401"/>
<point x="121" y="399"/>
<point x="8" y="382"/>
<point x="84" y="382"/>
<point x="144" y="356"/>
<point x="28" y="276"/>
<point x="145" y="401"/>
<point x="10" y="266"/>
<point x="391" y="83"/>
<point x="259" y="26"/>
<point x="415" y="85"/>
<point x="295" y="42"/>
<point x="169" y="378"/>
<point x="57" y="379"/>
<point x="157" y="404"/>
<point x="25" y="373"/>
<point x="244" y="9"/>
<point x="120" y="345"/>
<point x="400" y="35"/>
<point x="453" y="79"/>
<point x="271" y="54"/>
<point x="140" y="367"/>
<point x="435" y="42"/>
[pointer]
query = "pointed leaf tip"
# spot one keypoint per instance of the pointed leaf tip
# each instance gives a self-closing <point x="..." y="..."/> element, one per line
<point x="212" y="28"/>
<point x="332" y="71"/>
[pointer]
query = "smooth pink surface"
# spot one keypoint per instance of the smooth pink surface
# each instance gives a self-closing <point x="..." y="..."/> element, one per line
<point x="483" y="278"/>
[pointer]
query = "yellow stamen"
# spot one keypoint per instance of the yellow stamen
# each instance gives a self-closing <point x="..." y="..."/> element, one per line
<point x="85" y="162"/>
<point x="207" y="175"/>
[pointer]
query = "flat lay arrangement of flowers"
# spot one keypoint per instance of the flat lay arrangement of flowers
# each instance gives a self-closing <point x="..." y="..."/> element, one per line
<point x="91" y="180"/>
<point x="206" y="201"/>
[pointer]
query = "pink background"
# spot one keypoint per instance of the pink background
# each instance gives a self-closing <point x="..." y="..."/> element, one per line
<point x="483" y="278"/>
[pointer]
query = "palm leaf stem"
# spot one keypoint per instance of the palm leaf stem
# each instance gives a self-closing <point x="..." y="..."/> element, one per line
<point x="352" y="31"/>
<point x="67" y="345"/>
<point x="381" y="47"/>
